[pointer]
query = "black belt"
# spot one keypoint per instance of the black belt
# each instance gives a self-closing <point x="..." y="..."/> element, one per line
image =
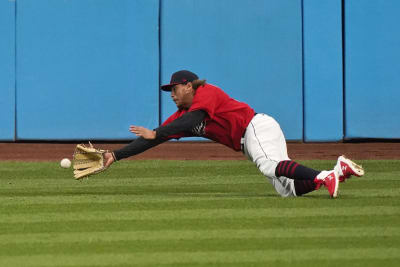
<point x="244" y="133"/>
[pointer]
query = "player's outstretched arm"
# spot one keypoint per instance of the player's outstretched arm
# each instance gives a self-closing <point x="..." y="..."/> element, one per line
<point x="182" y="124"/>
<point x="150" y="138"/>
<point x="185" y="123"/>
<point x="137" y="146"/>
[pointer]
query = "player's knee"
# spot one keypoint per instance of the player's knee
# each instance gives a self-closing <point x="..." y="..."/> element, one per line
<point x="268" y="170"/>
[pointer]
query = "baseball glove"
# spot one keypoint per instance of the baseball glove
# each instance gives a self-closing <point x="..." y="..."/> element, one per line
<point x="87" y="160"/>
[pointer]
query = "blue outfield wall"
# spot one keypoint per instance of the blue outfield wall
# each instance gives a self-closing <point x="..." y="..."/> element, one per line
<point x="372" y="69"/>
<point x="251" y="49"/>
<point x="87" y="69"/>
<point x="7" y="70"/>
<point x="323" y="69"/>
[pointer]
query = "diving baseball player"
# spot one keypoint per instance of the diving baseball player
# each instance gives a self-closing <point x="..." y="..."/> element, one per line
<point x="205" y="110"/>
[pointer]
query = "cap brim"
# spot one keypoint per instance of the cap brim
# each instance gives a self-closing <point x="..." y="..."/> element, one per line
<point x="168" y="87"/>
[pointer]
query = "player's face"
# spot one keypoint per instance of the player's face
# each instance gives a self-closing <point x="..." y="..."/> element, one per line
<point x="182" y="95"/>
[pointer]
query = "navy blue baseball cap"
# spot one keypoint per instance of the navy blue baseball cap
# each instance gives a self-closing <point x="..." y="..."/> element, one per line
<point x="180" y="77"/>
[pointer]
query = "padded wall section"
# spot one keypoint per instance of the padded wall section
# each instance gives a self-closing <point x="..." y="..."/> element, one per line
<point x="323" y="68"/>
<point x="7" y="70"/>
<point x="372" y="69"/>
<point x="87" y="69"/>
<point x="251" y="49"/>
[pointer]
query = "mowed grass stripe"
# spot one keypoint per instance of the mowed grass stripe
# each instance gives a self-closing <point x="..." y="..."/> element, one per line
<point x="95" y="182"/>
<point x="180" y="257"/>
<point x="302" y="263"/>
<point x="52" y="182"/>
<point x="229" y="189"/>
<point x="372" y="192"/>
<point x="159" y="180"/>
<point x="200" y="235"/>
<point x="128" y="199"/>
<point x="198" y="224"/>
<point x="171" y="205"/>
<point x="168" y="185"/>
<point x="163" y="189"/>
<point x="192" y="245"/>
<point x="200" y="214"/>
<point x="186" y="198"/>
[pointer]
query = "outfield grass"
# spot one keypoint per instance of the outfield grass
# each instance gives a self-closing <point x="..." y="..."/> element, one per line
<point x="194" y="213"/>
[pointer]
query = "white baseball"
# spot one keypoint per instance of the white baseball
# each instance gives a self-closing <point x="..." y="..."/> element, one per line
<point x="65" y="163"/>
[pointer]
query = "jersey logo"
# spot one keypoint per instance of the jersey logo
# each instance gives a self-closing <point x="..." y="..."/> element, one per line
<point x="199" y="129"/>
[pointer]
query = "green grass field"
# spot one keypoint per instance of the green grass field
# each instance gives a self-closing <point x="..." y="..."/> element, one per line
<point x="194" y="213"/>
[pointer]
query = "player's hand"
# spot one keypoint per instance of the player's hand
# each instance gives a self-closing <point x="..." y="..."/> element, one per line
<point x="108" y="159"/>
<point x="143" y="132"/>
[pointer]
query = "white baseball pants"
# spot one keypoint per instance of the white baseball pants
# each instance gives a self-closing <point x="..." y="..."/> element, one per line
<point x="265" y="145"/>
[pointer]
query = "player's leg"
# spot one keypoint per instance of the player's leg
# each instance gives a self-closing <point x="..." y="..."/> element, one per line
<point x="344" y="169"/>
<point x="307" y="179"/>
<point x="266" y="160"/>
<point x="265" y="145"/>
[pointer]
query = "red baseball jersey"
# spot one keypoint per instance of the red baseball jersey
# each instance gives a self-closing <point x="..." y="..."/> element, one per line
<point x="226" y="119"/>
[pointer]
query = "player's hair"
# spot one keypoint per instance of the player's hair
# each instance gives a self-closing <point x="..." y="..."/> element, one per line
<point x="197" y="83"/>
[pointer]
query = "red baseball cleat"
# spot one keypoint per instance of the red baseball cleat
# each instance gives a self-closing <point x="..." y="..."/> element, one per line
<point x="330" y="179"/>
<point x="346" y="168"/>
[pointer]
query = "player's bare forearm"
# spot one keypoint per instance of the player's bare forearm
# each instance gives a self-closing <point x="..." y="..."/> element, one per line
<point x="143" y="132"/>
